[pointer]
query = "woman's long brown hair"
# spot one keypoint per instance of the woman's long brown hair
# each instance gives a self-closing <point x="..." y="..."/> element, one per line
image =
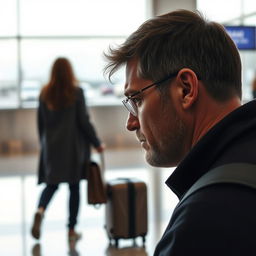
<point x="59" y="92"/>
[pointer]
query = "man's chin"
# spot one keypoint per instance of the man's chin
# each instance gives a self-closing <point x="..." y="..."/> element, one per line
<point x="156" y="161"/>
<point x="151" y="160"/>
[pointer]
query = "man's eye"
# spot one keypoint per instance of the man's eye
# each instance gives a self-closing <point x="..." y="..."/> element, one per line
<point x="137" y="101"/>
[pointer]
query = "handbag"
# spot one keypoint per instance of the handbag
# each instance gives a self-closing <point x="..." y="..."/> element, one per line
<point x="96" y="187"/>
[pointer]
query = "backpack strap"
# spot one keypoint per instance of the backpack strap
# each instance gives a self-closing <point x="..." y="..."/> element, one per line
<point x="236" y="173"/>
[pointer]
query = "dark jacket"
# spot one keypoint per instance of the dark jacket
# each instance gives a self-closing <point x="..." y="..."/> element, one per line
<point x="65" y="138"/>
<point x="219" y="219"/>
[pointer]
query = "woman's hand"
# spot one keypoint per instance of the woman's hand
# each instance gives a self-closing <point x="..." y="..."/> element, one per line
<point x="100" y="148"/>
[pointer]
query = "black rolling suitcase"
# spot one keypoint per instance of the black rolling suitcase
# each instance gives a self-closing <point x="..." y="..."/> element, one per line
<point x="126" y="210"/>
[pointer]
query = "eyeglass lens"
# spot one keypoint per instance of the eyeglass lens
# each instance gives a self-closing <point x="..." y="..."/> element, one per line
<point x="130" y="106"/>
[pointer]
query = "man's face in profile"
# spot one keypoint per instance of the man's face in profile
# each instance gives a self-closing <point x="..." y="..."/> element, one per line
<point x="158" y="126"/>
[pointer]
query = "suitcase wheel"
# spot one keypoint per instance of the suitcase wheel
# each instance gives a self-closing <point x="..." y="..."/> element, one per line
<point x="143" y="241"/>
<point x="116" y="242"/>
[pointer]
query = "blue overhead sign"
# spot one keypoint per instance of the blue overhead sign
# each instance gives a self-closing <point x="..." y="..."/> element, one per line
<point x="243" y="36"/>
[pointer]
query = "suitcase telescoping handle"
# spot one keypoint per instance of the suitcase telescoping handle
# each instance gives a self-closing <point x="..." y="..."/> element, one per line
<point x="102" y="161"/>
<point x="132" y="208"/>
<point x="131" y="195"/>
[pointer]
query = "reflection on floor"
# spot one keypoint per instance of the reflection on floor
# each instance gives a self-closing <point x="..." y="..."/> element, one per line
<point x="18" y="198"/>
<point x="110" y="251"/>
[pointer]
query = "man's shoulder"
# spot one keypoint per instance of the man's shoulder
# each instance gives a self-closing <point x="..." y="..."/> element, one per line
<point x="221" y="196"/>
<point x="216" y="209"/>
<point x="210" y="216"/>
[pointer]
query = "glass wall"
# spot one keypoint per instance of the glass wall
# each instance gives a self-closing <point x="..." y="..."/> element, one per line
<point x="236" y="12"/>
<point x="34" y="32"/>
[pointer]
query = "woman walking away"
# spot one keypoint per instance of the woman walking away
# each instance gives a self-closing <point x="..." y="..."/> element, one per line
<point x="66" y="134"/>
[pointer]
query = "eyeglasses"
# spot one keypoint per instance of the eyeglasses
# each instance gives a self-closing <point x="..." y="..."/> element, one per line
<point x="129" y="101"/>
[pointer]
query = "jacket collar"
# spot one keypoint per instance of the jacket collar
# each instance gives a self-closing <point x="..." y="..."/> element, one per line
<point x="205" y="154"/>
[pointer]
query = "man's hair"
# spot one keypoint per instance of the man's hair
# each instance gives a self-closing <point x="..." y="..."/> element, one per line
<point x="182" y="39"/>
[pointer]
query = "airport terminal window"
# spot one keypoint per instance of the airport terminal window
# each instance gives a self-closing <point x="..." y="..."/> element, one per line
<point x="8" y="17"/>
<point x="85" y="55"/>
<point x="249" y="6"/>
<point x="219" y="10"/>
<point x="81" y="17"/>
<point x="239" y="12"/>
<point x="34" y="33"/>
<point x="249" y="64"/>
<point x="8" y="74"/>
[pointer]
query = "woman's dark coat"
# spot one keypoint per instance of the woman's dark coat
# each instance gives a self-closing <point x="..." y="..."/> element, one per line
<point x="65" y="137"/>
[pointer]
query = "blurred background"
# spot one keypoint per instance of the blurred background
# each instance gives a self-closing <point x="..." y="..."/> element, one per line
<point x="32" y="34"/>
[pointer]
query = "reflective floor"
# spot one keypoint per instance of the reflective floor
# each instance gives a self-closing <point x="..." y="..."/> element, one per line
<point x="19" y="195"/>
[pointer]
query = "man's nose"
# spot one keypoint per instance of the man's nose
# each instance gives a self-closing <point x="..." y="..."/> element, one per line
<point x="132" y="123"/>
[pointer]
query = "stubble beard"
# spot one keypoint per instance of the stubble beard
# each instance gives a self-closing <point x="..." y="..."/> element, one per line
<point x="168" y="151"/>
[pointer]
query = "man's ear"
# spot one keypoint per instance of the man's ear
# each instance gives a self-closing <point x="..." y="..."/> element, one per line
<point x="188" y="87"/>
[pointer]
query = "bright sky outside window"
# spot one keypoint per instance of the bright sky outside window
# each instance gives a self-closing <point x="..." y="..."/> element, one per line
<point x="219" y="10"/>
<point x="8" y="17"/>
<point x="81" y="17"/>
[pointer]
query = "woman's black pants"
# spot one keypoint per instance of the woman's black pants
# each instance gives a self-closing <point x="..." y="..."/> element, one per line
<point x="74" y="200"/>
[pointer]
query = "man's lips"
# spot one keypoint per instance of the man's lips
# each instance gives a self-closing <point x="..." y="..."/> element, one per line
<point x="141" y="139"/>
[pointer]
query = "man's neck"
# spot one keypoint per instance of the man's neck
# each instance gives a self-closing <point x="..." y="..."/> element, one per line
<point x="214" y="113"/>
